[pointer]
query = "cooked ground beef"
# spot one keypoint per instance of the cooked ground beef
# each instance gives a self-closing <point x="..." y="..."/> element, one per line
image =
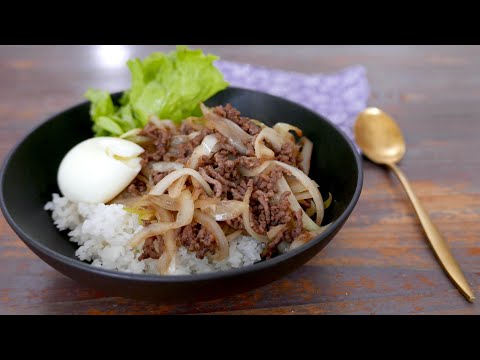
<point x="153" y="248"/>
<point x="164" y="146"/>
<point x="229" y="112"/>
<point x="289" y="154"/>
<point x="248" y="162"/>
<point x="187" y="128"/>
<point x="265" y="182"/>
<point x="221" y="169"/>
<point x="217" y="185"/>
<point x="251" y="147"/>
<point x="298" y="224"/>
<point x="238" y="193"/>
<point x="160" y="142"/>
<point x="236" y="224"/>
<point x="271" y="247"/>
<point x="158" y="176"/>
<point x="182" y="147"/>
<point x="281" y="213"/>
<point x="284" y="235"/>
<point x="228" y="184"/>
<point x="197" y="239"/>
<point x="137" y="187"/>
<point x="225" y="145"/>
<point x="261" y="212"/>
<point x="222" y="172"/>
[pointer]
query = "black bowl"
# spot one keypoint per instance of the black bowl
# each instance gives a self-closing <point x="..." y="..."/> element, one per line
<point x="28" y="179"/>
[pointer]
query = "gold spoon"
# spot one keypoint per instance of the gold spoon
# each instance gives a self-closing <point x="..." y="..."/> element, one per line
<point x="381" y="140"/>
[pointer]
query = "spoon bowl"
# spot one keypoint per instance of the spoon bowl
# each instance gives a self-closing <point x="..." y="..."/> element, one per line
<point x="379" y="136"/>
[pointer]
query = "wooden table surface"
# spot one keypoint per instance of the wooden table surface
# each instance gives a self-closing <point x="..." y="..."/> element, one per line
<point x="379" y="263"/>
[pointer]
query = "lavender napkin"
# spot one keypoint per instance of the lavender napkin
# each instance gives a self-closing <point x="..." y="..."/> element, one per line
<point x="339" y="97"/>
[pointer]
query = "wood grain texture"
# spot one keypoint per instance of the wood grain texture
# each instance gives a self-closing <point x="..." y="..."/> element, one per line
<point x="379" y="263"/>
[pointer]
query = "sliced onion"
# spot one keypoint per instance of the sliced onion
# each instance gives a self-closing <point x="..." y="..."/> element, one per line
<point x="149" y="231"/>
<point x="274" y="231"/>
<point x="308" y="224"/>
<point x="165" y="202"/>
<point x="193" y="135"/>
<point x="169" y="124"/>
<point x="213" y="228"/>
<point x="246" y="217"/>
<point x="203" y="203"/>
<point x="209" y="146"/>
<point x="304" y="183"/>
<point x="178" y="140"/>
<point x="328" y="202"/>
<point x="224" y="210"/>
<point x="139" y="139"/>
<point x="166" y="262"/>
<point x="158" y="210"/>
<point x="196" y="123"/>
<point x="305" y="238"/>
<point x="234" y="235"/>
<point x="284" y="129"/>
<point x="176" y="188"/>
<point x="185" y="213"/>
<point x="309" y="185"/>
<point x="234" y="133"/>
<point x="261" y="150"/>
<point x="165" y="215"/>
<point x="306" y="153"/>
<point x="256" y="170"/>
<point x="168" y="180"/>
<point x="197" y="190"/>
<point x="164" y="166"/>
<point x="283" y="246"/>
<point x="184" y="217"/>
<point x="311" y="211"/>
<point x="133" y="136"/>
<point x="132" y="132"/>
<point x="301" y="240"/>
<point x="296" y="185"/>
<point x="303" y="195"/>
<point x="258" y="123"/>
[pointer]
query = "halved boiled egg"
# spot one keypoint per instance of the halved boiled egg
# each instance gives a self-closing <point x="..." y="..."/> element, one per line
<point x="98" y="169"/>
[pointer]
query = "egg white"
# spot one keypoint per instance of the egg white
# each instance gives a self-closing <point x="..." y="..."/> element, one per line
<point x="98" y="169"/>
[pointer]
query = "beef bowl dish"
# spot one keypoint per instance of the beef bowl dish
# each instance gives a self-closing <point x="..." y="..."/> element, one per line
<point x="180" y="197"/>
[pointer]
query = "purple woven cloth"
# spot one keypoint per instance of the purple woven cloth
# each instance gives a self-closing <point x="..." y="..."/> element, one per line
<point x="339" y="96"/>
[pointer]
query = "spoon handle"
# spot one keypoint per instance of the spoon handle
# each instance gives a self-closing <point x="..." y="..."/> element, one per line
<point x="437" y="241"/>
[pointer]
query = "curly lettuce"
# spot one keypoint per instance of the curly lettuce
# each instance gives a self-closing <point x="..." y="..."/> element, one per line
<point x="170" y="86"/>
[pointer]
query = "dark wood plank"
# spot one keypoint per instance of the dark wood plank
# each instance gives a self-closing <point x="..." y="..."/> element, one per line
<point x="379" y="263"/>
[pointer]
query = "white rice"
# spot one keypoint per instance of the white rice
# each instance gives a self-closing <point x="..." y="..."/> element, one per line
<point x="103" y="231"/>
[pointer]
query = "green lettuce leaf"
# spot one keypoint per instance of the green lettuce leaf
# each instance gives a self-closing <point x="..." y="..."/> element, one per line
<point x="170" y="86"/>
<point x="102" y="104"/>
<point x="101" y="111"/>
